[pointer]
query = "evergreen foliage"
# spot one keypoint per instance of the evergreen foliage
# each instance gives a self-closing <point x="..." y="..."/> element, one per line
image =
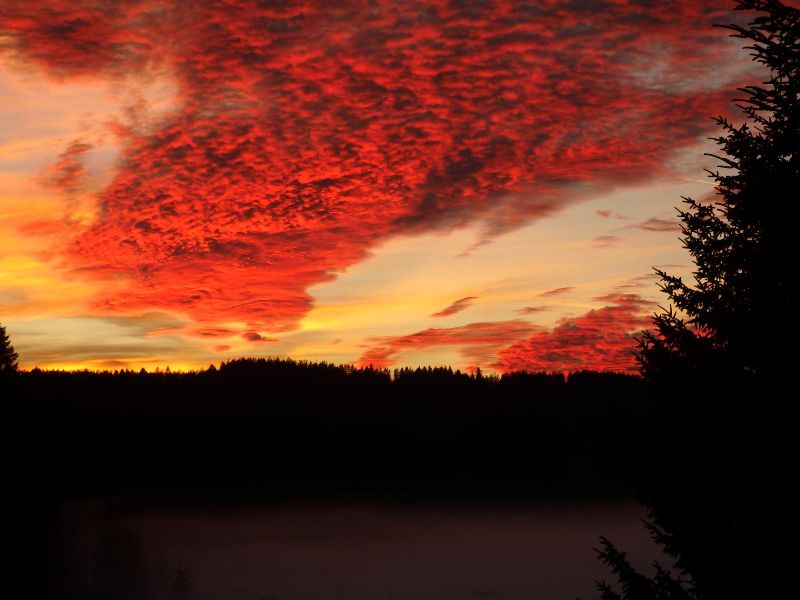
<point x="734" y="319"/>
<point x="719" y="491"/>
<point x="8" y="357"/>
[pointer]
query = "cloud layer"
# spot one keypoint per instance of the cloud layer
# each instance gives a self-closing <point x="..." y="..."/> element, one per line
<point x="603" y="339"/>
<point x="306" y="133"/>
<point x="477" y="343"/>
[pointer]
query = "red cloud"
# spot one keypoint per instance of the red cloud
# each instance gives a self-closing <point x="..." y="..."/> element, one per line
<point x="602" y="340"/>
<point x="308" y="132"/>
<point x="477" y="342"/>
<point x="456" y="307"/>
<point x="68" y="174"/>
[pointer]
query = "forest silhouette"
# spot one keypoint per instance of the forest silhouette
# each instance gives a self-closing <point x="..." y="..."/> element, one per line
<point x="277" y="427"/>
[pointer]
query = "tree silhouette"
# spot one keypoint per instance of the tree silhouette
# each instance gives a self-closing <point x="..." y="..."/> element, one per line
<point x="8" y="358"/>
<point x="636" y="586"/>
<point x="719" y="496"/>
<point x="733" y="319"/>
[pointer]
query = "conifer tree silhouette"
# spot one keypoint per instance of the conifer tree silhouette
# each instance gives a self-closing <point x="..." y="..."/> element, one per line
<point x="734" y="318"/>
<point x="8" y="357"/>
<point x="720" y="500"/>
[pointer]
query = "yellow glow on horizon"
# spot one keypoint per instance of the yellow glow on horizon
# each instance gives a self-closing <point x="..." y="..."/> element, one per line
<point x="149" y="365"/>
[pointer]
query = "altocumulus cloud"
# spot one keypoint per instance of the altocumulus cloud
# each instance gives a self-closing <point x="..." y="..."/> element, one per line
<point x="603" y="339"/>
<point x="308" y="132"/>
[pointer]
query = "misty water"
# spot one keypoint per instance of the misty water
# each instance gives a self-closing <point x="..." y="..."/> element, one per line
<point x="380" y="552"/>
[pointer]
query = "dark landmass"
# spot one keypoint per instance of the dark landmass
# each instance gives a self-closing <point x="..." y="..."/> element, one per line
<point x="271" y="430"/>
<point x="271" y="433"/>
<point x="260" y="433"/>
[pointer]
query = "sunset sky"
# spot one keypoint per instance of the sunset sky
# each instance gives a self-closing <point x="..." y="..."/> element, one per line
<point x="480" y="184"/>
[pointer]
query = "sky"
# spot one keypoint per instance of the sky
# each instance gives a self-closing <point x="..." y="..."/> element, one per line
<point x="477" y="184"/>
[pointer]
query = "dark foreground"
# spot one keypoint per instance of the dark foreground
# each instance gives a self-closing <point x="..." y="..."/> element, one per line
<point x="272" y="479"/>
<point x="324" y="464"/>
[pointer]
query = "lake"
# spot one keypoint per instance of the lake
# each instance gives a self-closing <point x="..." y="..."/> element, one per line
<point x="376" y="552"/>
